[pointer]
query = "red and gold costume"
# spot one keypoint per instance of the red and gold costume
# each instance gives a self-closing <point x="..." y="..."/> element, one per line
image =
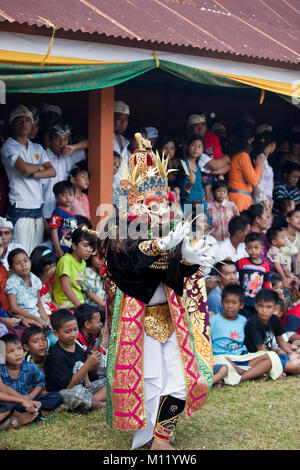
<point x="160" y="355"/>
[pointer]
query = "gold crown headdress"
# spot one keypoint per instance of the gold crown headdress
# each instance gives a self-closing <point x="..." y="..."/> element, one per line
<point x="143" y="179"/>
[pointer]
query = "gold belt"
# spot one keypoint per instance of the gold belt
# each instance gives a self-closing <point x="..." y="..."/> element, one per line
<point x="158" y="322"/>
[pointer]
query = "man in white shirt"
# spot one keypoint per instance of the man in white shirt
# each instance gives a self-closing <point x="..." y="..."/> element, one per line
<point x="25" y="164"/>
<point x="121" y="115"/>
<point x="59" y="136"/>
<point x="233" y="247"/>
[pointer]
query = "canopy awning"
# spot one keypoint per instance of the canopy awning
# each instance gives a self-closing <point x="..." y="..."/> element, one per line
<point x="262" y="29"/>
<point x="30" y="63"/>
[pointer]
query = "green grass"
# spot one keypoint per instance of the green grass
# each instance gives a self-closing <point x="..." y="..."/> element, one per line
<point x="250" y="416"/>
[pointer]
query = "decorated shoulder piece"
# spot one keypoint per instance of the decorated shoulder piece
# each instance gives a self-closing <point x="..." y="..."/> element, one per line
<point x="149" y="248"/>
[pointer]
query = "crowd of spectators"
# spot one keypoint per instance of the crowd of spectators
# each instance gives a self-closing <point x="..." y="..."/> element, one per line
<point x="52" y="296"/>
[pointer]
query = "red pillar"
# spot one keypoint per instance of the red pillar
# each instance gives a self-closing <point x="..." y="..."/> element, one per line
<point x="100" y="154"/>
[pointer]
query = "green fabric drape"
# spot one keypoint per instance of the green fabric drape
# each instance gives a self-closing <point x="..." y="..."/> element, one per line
<point x="61" y="79"/>
<point x="70" y="78"/>
<point x="56" y="79"/>
<point x="198" y="76"/>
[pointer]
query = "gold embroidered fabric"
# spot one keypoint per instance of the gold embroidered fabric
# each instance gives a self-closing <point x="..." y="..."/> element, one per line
<point x="158" y="322"/>
<point x="161" y="263"/>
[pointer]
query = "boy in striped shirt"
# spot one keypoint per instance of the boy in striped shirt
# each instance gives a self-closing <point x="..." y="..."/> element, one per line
<point x="287" y="188"/>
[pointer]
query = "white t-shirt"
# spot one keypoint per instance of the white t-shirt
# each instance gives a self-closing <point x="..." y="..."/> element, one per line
<point x="227" y="250"/>
<point x="124" y="153"/>
<point x="25" y="193"/>
<point x="63" y="165"/>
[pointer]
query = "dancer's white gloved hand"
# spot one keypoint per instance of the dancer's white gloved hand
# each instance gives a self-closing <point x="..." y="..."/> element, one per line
<point x="175" y="237"/>
<point x="196" y="254"/>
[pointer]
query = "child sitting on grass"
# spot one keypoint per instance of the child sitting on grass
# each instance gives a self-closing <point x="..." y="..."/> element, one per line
<point x="227" y="332"/>
<point x="254" y="273"/>
<point x="69" y="274"/>
<point x="92" y="286"/>
<point x="90" y="326"/>
<point x="25" y="377"/>
<point x="264" y="326"/>
<point x="7" y="323"/>
<point x="23" y="292"/>
<point x="67" y="367"/>
<point x="91" y="333"/>
<point x="43" y="265"/>
<point x="35" y="345"/>
<point x="63" y="221"/>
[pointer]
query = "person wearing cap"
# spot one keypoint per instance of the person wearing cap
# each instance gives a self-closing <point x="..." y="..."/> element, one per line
<point x="121" y="115"/>
<point x="197" y="125"/>
<point x="25" y="163"/>
<point x="59" y="137"/>
<point x="152" y="135"/>
<point x="6" y="232"/>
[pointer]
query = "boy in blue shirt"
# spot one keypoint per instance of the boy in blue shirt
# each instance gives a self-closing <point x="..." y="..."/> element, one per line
<point x="26" y="379"/>
<point x="227" y="328"/>
<point x="228" y="334"/>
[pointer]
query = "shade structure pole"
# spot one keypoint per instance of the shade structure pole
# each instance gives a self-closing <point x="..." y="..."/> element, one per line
<point x="100" y="152"/>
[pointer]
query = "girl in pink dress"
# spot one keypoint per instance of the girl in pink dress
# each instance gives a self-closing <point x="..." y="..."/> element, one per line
<point x="81" y="179"/>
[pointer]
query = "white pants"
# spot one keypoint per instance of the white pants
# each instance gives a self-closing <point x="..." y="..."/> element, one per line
<point x="29" y="233"/>
<point x="163" y="375"/>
